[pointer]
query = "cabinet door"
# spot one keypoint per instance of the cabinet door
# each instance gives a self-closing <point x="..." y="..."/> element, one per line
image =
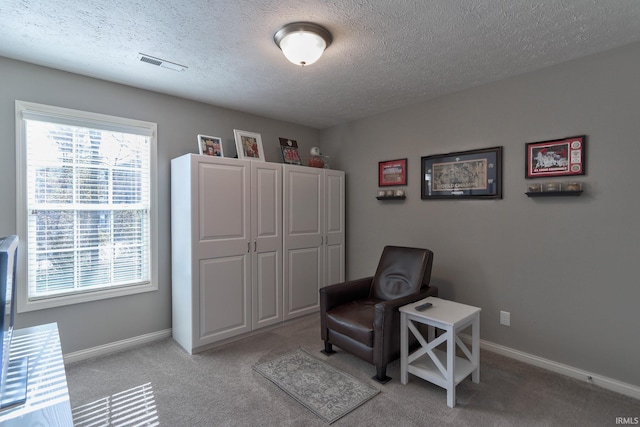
<point x="266" y="231"/>
<point x="221" y="251"/>
<point x="303" y="219"/>
<point x="334" y="229"/>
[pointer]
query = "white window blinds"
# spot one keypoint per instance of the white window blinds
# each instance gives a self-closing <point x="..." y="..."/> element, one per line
<point x="88" y="202"/>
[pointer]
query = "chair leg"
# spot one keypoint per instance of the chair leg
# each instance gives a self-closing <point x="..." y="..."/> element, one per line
<point x="381" y="375"/>
<point x="328" y="349"/>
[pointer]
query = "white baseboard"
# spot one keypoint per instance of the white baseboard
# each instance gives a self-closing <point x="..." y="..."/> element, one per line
<point x="103" y="350"/>
<point x="589" y="377"/>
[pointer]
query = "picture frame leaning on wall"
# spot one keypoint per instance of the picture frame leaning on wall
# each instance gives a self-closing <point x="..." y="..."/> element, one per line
<point x="210" y="145"/>
<point x="290" y="153"/>
<point x="249" y="145"/>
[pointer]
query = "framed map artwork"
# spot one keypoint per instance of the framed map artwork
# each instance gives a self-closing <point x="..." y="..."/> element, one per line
<point x="474" y="174"/>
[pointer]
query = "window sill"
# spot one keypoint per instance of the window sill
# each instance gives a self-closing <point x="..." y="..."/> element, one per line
<point x="25" y="305"/>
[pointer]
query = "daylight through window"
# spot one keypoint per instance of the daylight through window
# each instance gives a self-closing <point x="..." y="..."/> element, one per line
<point x="88" y="204"/>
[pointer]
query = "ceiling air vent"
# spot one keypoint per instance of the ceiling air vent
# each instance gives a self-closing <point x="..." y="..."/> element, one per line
<point x="161" y="62"/>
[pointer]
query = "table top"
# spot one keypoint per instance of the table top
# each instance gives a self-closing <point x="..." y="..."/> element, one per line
<point x="443" y="311"/>
<point x="47" y="395"/>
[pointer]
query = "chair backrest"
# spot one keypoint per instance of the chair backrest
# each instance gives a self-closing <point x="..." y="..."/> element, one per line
<point x="401" y="271"/>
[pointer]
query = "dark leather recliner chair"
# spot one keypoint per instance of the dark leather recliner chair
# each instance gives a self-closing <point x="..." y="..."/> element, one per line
<point x="361" y="316"/>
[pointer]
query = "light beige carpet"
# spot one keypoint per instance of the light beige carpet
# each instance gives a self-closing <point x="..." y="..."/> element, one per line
<point x="220" y="388"/>
<point x="135" y="407"/>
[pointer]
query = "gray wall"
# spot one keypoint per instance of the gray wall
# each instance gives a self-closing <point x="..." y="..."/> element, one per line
<point x="88" y="325"/>
<point x="564" y="267"/>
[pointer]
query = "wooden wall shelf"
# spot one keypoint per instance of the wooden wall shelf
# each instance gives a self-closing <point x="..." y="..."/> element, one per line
<point x="553" y="193"/>
<point x="391" y="197"/>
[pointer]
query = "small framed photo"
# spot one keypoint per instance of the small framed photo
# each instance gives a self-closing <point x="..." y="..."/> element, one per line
<point x="210" y="145"/>
<point x="473" y="174"/>
<point x="559" y="157"/>
<point x="392" y="172"/>
<point x="249" y="145"/>
<point x="290" y="152"/>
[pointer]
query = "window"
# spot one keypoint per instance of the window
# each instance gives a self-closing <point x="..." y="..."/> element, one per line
<point x="86" y="205"/>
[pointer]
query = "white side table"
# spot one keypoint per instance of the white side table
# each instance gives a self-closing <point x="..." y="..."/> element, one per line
<point x="444" y="369"/>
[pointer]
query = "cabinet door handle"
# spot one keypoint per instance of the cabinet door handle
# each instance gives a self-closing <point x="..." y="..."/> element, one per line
<point x="255" y="245"/>
<point x="248" y="247"/>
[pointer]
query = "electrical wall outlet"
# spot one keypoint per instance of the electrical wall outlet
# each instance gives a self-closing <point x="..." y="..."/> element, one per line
<point x="505" y="318"/>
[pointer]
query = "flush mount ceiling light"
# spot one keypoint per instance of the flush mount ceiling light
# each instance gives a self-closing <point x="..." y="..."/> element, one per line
<point x="303" y="42"/>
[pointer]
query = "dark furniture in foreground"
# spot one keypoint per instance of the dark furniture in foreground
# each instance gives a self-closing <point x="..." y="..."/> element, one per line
<point x="361" y="316"/>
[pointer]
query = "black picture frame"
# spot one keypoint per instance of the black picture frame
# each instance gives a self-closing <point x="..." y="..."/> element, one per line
<point x="290" y="153"/>
<point x="472" y="174"/>
<point x="557" y="157"/>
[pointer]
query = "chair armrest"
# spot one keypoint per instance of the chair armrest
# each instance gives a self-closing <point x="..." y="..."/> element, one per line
<point x="392" y="304"/>
<point x="386" y="322"/>
<point x="342" y="293"/>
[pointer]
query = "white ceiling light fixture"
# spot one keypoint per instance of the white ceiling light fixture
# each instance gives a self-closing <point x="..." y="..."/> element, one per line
<point x="303" y="42"/>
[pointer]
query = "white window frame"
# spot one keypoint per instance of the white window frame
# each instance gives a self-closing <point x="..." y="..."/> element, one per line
<point x="87" y="119"/>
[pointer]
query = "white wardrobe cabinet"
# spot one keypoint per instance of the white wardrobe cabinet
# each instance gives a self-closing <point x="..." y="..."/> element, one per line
<point x="226" y="233"/>
<point x="314" y="235"/>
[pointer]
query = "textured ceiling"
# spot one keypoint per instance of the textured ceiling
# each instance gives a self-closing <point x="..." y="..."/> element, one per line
<point x="386" y="54"/>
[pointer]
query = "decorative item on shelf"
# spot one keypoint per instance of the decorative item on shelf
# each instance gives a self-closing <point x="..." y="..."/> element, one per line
<point x="289" y="148"/>
<point x="325" y="159"/>
<point x="391" y="195"/>
<point x="573" y="186"/>
<point x="534" y="188"/>
<point x="552" y="186"/>
<point x="554" y="189"/>
<point x="248" y="145"/>
<point x="210" y="145"/>
<point x="316" y="160"/>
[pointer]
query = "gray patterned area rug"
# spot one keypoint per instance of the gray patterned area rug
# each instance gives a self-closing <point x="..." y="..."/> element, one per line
<point x="324" y="390"/>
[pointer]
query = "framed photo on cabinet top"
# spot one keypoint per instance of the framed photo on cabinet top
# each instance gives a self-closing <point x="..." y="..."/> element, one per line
<point x="210" y="145"/>
<point x="249" y="145"/>
<point x="473" y="174"/>
<point x="392" y="172"/>
<point x="558" y="157"/>
<point x="290" y="154"/>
